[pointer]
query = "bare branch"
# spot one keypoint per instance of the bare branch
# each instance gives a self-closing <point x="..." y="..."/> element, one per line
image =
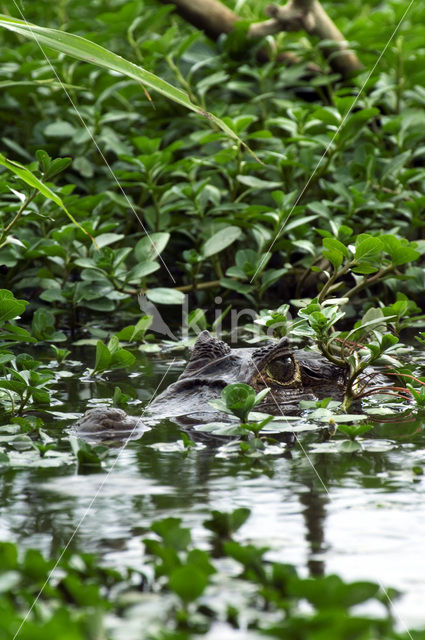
<point x="214" y="18"/>
<point x="310" y="16"/>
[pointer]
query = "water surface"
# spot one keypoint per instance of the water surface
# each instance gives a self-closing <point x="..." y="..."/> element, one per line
<point x="359" y="515"/>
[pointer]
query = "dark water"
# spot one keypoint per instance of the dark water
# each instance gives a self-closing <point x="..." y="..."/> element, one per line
<point x="359" y="515"/>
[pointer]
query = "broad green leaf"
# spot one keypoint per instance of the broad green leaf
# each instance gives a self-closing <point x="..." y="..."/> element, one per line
<point x="368" y="249"/>
<point x="388" y="340"/>
<point x="335" y="257"/>
<point x="399" y="250"/>
<point x="225" y="524"/>
<point x="13" y="385"/>
<point x="172" y="533"/>
<point x="239" y="398"/>
<point x="240" y="287"/>
<point x="29" y="178"/>
<point x="221" y="429"/>
<point x="83" y="49"/>
<point x="40" y="396"/>
<point x="10" y="307"/>
<point x="333" y="243"/>
<point x="365" y="268"/>
<point x="103" y="357"/>
<point x="59" y="129"/>
<point x="105" y="239"/>
<point x="354" y="430"/>
<point x="220" y="240"/>
<point x="329" y="115"/>
<point x="16" y="334"/>
<point x="140" y="271"/>
<point x="151" y="246"/>
<point x="122" y="358"/>
<point x="135" y="332"/>
<point x="188" y="582"/>
<point x="260" y="395"/>
<point x="162" y="295"/>
<point x="113" y="344"/>
<point x="258" y="183"/>
<point x="87" y="263"/>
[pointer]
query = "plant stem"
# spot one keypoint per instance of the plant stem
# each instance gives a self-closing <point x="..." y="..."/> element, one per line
<point x="334" y="276"/>
<point x="201" y="285"/>
<point x="340" y="362"/>
<point x="368" y="281"/>
<point x="18" y="215"/>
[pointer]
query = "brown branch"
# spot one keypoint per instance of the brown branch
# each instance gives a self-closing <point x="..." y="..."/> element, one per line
<point x="311" y="16"/>
<point x="214" y="18"/>
<point x="200" y="285"/>
<point x="210" y="16"/>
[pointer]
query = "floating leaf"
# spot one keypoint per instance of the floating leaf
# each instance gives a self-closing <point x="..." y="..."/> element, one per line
<point x="188" y="582"/>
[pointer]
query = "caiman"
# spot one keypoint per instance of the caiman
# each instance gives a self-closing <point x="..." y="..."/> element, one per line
<point x="291" y="375"/>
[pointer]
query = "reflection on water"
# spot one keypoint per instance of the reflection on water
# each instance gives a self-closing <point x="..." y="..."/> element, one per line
<point x="360" y="516"/>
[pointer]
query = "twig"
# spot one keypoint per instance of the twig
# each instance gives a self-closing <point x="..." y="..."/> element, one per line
<point x="18" y="215"/>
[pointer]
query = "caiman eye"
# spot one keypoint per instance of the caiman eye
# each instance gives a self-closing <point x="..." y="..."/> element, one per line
<point x="281" y="369"/>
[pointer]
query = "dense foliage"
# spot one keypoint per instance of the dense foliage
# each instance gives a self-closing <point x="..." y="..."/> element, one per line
<point x="186" y="581"/>
<point x="108" y="188"/>
<point x="218" y="216"/>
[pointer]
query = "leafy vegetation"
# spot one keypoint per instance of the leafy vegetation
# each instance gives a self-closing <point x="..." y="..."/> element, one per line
<point x="271" y="592"/>
<point x="125" y="168"/>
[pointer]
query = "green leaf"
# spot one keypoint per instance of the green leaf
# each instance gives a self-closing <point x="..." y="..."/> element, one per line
<point x="162" y="295"/>
<point x="103" y="357"/>
<point x="235" y="285"/>
<point x="10" y="307"/>
<point x="220" y="240"/>
<point x="239" y="398"/>
<point x="400" y="251"/>
<point x="137" y="331"/>
<point x="366" y="268"/>
<point x="388" y="341"/>
<point x="354" y="430"/>
<point x="140" y="271"/>
<point x="220" y="428"/>
<point x="260" y="395"/>
<point x="29" y="178"/>
<point x="150" y="247"/>
<point x="335" y="257"/>
<point x="122" y="358"/>
<point x="257" y="183"/>
<point x="59" y="129"/>
<point x="86" y="454"/>
<point x="225" y="524"/>
<point x="104" y="239"/>
<point x="172" y="533"/>
<point x="188" y="582"/>
<point x="43" y="323"/>
<point x="333" y="243"/>
<point x="83" y="49"/>
<point x="368" y="249"/>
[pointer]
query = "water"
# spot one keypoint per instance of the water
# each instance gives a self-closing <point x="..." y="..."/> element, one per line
<point x="361" y="516"/>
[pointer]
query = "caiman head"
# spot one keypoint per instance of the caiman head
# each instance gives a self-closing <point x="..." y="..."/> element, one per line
<point x="291" y="376"/>
<point x="276" y="365"/>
